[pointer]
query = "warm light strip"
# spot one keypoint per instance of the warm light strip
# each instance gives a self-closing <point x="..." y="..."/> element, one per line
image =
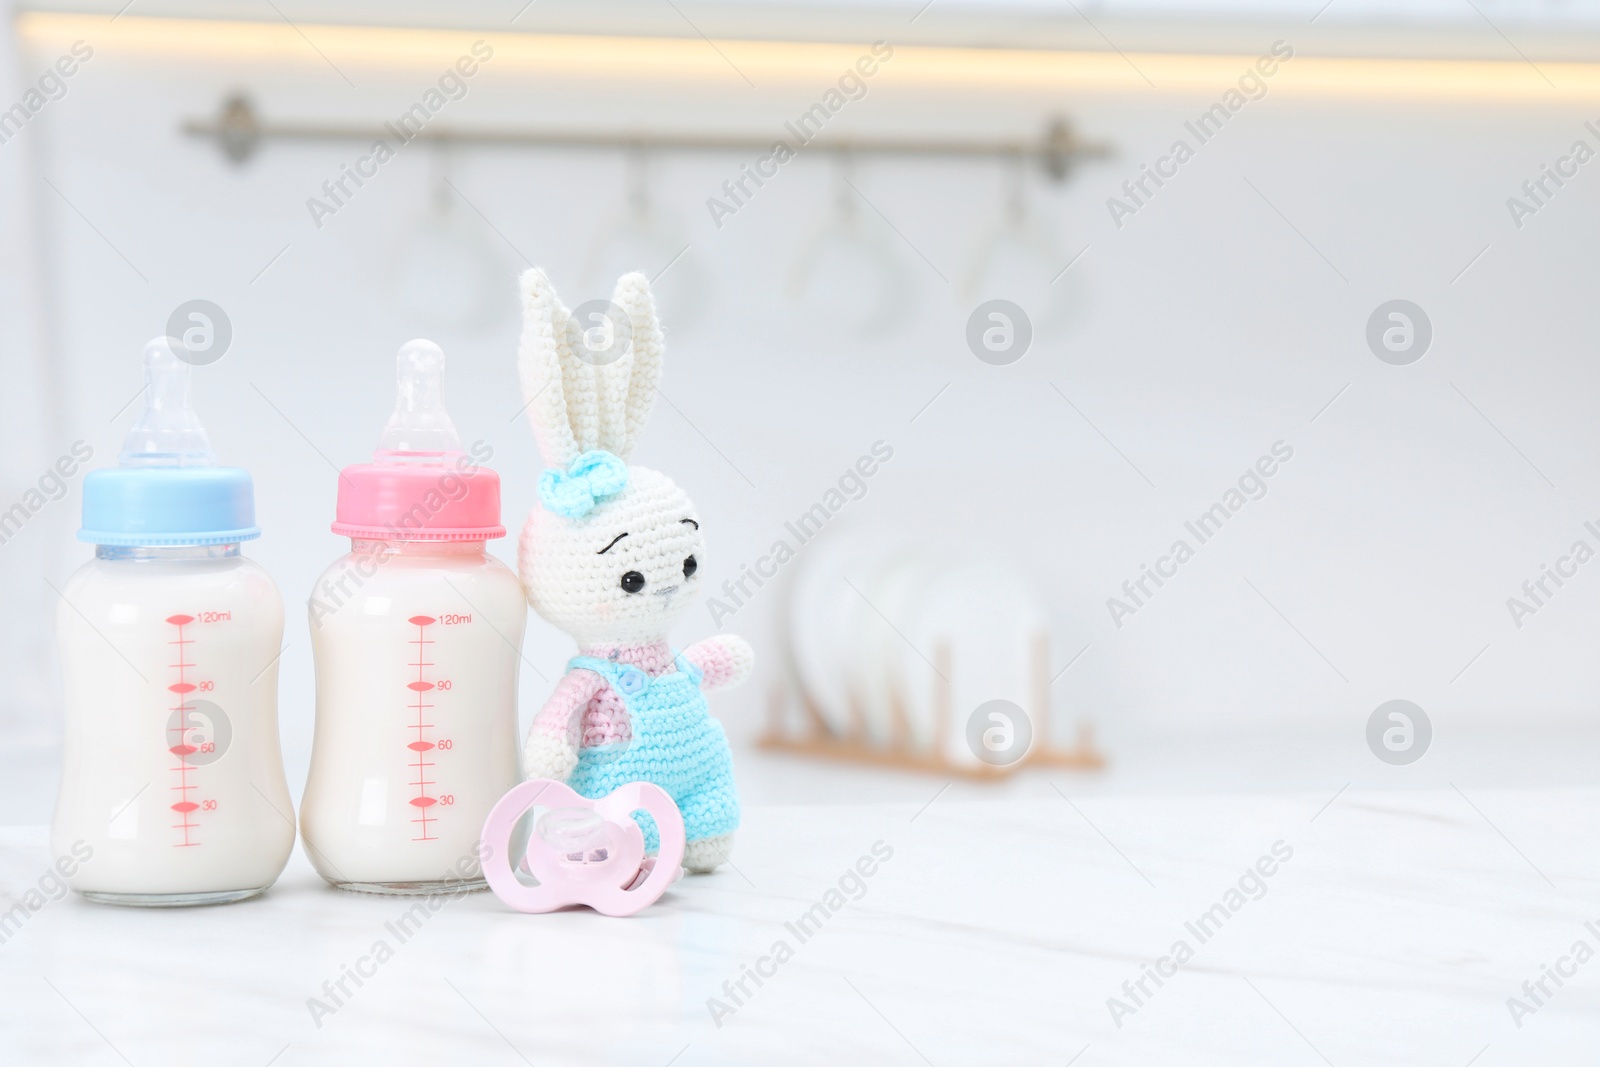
<point x="779" y="64"/>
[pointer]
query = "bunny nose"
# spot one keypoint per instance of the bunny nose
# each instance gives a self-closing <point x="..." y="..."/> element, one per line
<point x="668" y="591"/>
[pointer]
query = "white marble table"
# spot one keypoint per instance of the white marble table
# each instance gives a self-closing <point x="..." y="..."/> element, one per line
<point x="996" y="933"/>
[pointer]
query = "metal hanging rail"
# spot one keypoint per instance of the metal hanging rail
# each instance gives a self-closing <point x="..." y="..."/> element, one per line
<point x="239" y="132"/>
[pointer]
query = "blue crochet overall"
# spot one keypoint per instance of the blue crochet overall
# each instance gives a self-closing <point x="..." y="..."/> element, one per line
<point x="676" y="745"/>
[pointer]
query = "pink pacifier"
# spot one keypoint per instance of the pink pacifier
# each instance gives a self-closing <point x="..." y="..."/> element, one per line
<point x="583" y="851"/>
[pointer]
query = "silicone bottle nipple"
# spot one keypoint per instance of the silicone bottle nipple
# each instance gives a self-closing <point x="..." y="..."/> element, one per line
<point x="167" y="433"/>
<point x="420" y="430"/>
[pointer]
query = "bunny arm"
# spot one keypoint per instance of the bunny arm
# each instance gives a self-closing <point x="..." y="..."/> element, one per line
<point x="551" y="748"/>
<point x="725" y="660"/>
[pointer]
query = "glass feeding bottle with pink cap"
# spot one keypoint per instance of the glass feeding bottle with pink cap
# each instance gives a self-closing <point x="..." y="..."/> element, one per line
<point x="417" y="636"/>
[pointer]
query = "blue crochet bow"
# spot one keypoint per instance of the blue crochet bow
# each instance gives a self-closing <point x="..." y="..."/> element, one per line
<point x="574" y="492"/>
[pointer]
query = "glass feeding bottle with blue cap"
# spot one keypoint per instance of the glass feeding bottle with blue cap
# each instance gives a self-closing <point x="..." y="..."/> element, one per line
<point x="172" y="788"/>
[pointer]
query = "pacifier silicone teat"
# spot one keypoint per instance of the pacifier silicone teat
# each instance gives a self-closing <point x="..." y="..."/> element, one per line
<point x="168" y="432"/>
<point x="420" y="430"/>
<point x="583" y="851"/>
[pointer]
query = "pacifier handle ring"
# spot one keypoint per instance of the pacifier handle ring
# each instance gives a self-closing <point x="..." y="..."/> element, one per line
<point x="623" y="802"/>
<point x="499" y="870"/>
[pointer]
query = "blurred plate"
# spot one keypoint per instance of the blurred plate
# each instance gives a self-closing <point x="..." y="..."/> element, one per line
<point x="825" y="621"/>
<point x="886" y="664"/>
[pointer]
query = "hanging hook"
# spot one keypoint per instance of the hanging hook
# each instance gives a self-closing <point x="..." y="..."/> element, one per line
<point x="638" y="180"/>
<point x="439" y="166"/>
<point x="1016" y="196"/>
<point x="844" y="201"/>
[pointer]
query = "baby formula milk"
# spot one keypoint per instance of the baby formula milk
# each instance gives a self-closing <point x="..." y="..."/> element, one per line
<point x="417" y="635"/>
<point x="172" y="781"/>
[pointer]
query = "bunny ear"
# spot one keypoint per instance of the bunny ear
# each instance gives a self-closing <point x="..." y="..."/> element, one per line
<point x="632" y="295"/>
<point x="612" y="380"/>
<point x="544" y="350"/>
<point x="574" y="404"/>
<point x="579" y="380"/>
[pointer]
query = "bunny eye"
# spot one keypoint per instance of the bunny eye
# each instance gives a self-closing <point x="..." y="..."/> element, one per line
<point x="689" y="567"/>
<point x="632" y="582"/>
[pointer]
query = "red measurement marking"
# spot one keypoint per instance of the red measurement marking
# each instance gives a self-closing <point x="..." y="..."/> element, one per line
<point x="182" y="747"/>
<point x="422" y="801"/>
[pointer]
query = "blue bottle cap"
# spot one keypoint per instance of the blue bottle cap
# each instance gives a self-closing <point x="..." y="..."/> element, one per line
<point x="168" y="489"/>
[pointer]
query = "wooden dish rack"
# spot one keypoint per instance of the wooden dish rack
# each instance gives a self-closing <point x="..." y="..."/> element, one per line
<point x="815" y="736"/>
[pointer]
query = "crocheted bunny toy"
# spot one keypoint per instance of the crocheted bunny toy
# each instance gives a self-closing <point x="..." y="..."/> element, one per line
<point x="612" y="555"/>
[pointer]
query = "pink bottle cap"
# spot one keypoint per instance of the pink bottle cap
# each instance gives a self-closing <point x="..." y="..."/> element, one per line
<point x="583" y="851"/>
<point x="420" y="486"/>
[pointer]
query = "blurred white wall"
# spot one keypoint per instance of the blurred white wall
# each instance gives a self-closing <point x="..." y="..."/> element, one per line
<point x="31" y="405"/>
<point x="1221" y="318"/>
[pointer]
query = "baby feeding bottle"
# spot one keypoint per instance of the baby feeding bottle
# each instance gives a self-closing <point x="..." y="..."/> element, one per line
<point x="417" y="634"/>
<point x="172" y="782"/>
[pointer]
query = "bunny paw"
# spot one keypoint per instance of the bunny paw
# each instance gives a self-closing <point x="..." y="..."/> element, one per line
<point x="725" y="660"/>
